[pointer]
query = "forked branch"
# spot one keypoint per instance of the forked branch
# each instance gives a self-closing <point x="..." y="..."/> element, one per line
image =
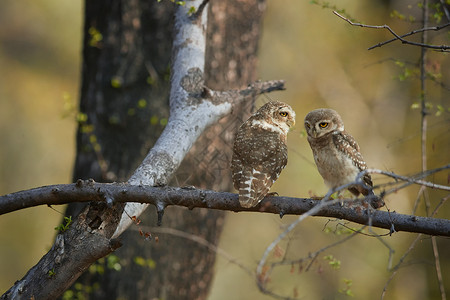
<point x="443" y="48"/>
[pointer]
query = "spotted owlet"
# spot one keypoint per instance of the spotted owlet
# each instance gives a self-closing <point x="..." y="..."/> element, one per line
<point x="336" y="152"/>
<point x="260" y="151"/>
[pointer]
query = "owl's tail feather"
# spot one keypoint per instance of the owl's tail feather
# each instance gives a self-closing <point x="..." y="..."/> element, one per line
<point x="246" y="201"/>
<point x="374" y="200"/>
<point x="253" y="187"/>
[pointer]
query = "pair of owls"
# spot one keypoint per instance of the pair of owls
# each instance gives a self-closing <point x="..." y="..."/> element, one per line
<point x="260" y="151"/>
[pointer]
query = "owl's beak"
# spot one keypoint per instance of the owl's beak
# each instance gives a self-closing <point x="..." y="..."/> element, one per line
<point x="290" y="122"/>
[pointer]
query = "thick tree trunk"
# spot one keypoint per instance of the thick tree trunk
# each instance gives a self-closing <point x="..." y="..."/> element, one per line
<point x="125" y="98"/>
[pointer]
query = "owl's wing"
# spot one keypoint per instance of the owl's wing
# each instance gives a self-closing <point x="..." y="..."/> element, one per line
<point x="346" y="144"/>
<point x="259" y="157"/>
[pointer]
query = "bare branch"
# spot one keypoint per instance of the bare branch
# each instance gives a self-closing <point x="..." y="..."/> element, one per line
<point x="87" y="191"/>
<point x="413" y="179"/>
<point x="262" y="271"/>
<point x="311" y="257"/>
<point x="199" y="240"/>
<point x="443" y="48"/>
<point x="409" y="179"/>
<point x="445" y="9"/>
<point x="395" y="269"/>
<point x="437" y="264"/>
<point x="434" y="28"/>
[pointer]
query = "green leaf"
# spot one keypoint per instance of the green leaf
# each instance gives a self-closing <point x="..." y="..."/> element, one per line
<point x="95" y="37"/>
<point x="116" y="82"/>
<point x="415" y="105"/>
<point x="140" y="261"/>
<point x="440" y="110"/>
<point x="131" y="111"/>
<point x="154" y="120"/>
<point x="142" y="103"/>
<point x="150" y="80"/>
<point x="81" y="117"/>
<point x="400" y="63"/>
<point x="113" y="262"/>
<point x="51" y="272"/>
<point x="191" y="10"/>
<point x="163" y="122"/>
<point x="63" y="227"/>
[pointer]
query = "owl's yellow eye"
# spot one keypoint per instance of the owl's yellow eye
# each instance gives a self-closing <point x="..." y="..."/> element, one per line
<point x="283" y="114"/>
<point x="307" y="125"/>
<point x="323" y="124"/>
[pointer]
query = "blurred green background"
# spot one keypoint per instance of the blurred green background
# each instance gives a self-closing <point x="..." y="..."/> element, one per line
<point x="325" y="63"/>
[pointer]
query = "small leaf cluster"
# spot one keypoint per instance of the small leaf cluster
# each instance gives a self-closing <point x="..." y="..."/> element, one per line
<point x="347" y="289"/>
<point x="145" y="262"/>
<point x="333" y="262"/>
<point x="65" y="225"/>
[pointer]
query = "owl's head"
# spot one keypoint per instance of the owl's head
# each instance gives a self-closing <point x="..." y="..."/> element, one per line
<point x="279" y="114"/>
<point x="323" y="121"/>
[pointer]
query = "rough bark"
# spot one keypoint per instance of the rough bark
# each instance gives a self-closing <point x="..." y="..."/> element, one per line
<point x="191" y="198"/>
<point x="124" y="86"/>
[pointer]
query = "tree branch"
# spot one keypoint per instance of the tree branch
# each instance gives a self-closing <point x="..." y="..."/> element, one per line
<point x="161" y="197"/>
<point x="443" y="48"/>
<point x="434" y="28"/>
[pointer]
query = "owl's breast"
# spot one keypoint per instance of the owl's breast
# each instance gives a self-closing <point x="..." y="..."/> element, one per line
<point x="334" y="166"/>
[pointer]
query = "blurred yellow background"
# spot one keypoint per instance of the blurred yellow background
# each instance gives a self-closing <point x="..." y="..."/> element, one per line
<point x="40" y="55"/>
<point x="325" y="63"/>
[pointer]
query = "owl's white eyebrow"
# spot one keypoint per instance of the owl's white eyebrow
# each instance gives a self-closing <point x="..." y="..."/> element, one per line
<point x="265" y="125"/>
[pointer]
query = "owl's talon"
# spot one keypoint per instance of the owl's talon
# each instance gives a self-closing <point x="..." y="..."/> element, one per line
<point x="272" y="194"/>
<point x="189" y="187"/>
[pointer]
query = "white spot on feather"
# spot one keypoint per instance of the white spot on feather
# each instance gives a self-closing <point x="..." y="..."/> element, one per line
<point x="267" y="126"/>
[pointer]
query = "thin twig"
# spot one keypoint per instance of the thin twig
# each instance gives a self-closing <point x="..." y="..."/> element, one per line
<point x="438" y="206"/>
<point x="408" y="183"/>
<point x="411" y="247"/>
<point x="424" y="113"/>
<point x="445" y="9"/>
<point x="438" y="268"/>
<point x="408" y="179"/>
<point x="259" y="270"/>
<point x="385" y="244"/>
<point x="436" y="47"/>
<point x="200" y="9"/>
<point x="397" y="266"/>
<point x="434" y="28"/>
<point x="311" y="256"/>
<point x="201" y="241"/>
<point x="423" y="88"/>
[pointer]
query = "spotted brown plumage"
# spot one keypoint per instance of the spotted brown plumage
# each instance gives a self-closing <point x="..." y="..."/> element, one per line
<point x="260" y="151"/>
<point x="336" y="153"/>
